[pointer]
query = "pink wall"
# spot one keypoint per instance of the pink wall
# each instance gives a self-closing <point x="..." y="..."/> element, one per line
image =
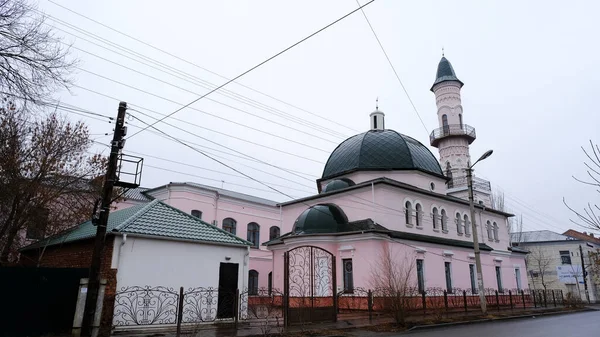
<point x="365" y="250"/>
<point x="218" y="207"/>
<point x="415" y="178"/>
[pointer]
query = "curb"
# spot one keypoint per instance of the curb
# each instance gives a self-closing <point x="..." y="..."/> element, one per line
<point x="486" y="320"/>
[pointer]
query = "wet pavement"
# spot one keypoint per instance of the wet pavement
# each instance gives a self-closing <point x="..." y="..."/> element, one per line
<point x="574" y="324"/>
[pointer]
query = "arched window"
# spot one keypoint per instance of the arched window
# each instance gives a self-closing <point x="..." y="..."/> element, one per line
<point x="274" y="232"/>
<point x="467" y="225"/>
<point x="460" y="120"/>
<point x="449" y="174"/>
<point x="495" y="231"/>
<point x="254" y="234"/>
<point x="252" y="282"/>
<point x="445" y="124"/>
<point x="444" y="220"/>
<point x="197" y="213"/>
<point x="408" y="212"/>
<point x="435" y="217"/>
<point x="229" y="225"/>
<point x="488" y="227"/>
<point x="270" y="283"/>
<point x="419" y="215"/>
<point x="458" y="224"/>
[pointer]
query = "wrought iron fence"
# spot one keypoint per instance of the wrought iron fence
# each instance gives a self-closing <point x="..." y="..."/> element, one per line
<point x="478" y="183"/>
<point x="145" y="305"/>
<point x="159" y="305"/>
<point x="452" y="130"/>
<point x="439" y="301"/>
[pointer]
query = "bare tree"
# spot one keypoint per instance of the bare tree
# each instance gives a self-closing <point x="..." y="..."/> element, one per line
<point x="497" y="201"/>
<point x="589" y="217"/>
<point x="33" y="62"/>
<point x="539" y="263"/>
<point x="516" y="230"/>
<point x="47" y="178"/>
<point x="393" y="279"/>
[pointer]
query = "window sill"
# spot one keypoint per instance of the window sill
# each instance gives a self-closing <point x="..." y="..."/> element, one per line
<point x="490" y="240"/>
<point x="419" y="227"/>
<point x="497" y="240"/>
<point x="409" y="225"/>
<point x="444" y="231"/>
<point x="468" y="235"/>
<point x="436" y="230"/>
<point x="460" y="234"/>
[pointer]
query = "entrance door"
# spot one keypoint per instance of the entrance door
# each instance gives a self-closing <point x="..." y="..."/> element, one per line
<point x="228" y="283"/>
<point x="309" y="285"/>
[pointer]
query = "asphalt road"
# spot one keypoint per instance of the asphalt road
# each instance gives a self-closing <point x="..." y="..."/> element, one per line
<point x="577" y="324"/>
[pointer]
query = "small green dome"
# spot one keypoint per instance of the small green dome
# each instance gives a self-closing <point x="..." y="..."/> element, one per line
<point x="322" y="218"/>
<point x="337" y="184"/>
<point x="445" y="72"/>
<point x="380" y="150"/>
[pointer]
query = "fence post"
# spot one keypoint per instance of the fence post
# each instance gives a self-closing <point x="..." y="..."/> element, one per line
<point x="446" y="300"/>
<point x="236" y="307"/>
<point x="523" y="297"/>
<point x="497" y="300"/>
<point x="465" y="299"/>
<point x="370" y="305"/>
<point x="424" y="303"/>
<point x="510" y="298"/>
<point x="553" y="298"/>
<point x="562" y="299"/>
<point x="179" y="311"/>
<point x="545" y="299"/>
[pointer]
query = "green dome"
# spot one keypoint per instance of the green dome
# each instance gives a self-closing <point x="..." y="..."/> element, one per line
<point x="380" y="150"/>
<point x="445" y="72"/>
<point x="323" y="218"/>
<point x="337" y="184"/>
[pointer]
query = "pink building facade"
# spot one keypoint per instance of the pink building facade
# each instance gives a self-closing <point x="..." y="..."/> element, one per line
<point x="380" y="192"/>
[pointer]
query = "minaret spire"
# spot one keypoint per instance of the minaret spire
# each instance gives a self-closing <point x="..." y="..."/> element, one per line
<point x="377" y="103"/>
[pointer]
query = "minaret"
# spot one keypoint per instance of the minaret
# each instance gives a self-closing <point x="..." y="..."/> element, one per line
<point x="453" y="136"/>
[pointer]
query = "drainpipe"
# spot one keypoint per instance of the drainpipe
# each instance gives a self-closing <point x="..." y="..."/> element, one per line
<point x="216" y="209"/>
<point x="373" y="193"/>
<point x="120" y="249"/>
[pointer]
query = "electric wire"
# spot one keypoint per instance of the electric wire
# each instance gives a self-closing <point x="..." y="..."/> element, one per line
<point x="392" y="66"/>
<point x="254" y="67"/>
<point x="195" y="65"/>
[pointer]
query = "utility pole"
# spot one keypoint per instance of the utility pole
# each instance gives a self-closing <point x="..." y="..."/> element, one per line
<point x="102" y="222"/>
<point x="587" y="294"/>
<point x="482" y="300"/>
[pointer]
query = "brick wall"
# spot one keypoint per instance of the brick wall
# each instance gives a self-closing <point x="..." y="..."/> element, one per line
<point x="79" y="255"/>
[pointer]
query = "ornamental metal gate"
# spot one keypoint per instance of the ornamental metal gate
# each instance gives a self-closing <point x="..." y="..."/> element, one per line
<point x="309" y="286"/>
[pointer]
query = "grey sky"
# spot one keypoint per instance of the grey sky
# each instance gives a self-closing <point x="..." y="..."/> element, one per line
<point x="529" y="68"/>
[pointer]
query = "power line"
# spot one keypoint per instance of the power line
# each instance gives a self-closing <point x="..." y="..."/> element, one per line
<point x="183" y="76"/>
<point x="196" y="65"/>
<point x="255" y="67"/>
<point x="392" y="66"/>
<point x="192" y="108"/>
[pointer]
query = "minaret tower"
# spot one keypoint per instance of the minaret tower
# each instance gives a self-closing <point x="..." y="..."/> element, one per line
<point x="453" y="136"/>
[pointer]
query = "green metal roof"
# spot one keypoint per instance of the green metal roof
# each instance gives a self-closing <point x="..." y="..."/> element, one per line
<point x="152" y="219"/>
<point x="338" y="184"/>
<point x="380" y="150"/>
<point x="445" y="72"/>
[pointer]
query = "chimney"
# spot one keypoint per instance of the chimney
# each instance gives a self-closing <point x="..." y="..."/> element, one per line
<point x="584" y="233"/>
<point x="592" y="234"/>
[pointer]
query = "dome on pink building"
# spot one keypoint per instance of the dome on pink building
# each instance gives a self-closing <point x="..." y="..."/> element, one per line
<point x="380" y="150"/>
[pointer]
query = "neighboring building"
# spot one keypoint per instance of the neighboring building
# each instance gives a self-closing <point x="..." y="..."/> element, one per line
<point x="554" y="261"/>
<point x="150" y="244"/>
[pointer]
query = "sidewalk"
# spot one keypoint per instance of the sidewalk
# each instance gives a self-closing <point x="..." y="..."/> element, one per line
<point x="350" y="325"/>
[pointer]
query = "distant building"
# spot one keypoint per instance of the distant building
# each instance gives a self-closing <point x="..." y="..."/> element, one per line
<point x="554" y="261"/>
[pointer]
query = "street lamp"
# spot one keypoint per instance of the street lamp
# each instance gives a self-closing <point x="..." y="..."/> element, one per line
<point x="474" y="229"/>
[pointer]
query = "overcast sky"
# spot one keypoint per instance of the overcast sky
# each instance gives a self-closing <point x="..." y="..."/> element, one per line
<point x="530" y="70"/>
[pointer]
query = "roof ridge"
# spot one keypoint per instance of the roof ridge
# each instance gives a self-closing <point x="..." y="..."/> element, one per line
<point x="136" y="215"/>
<point x="203" y="222"/>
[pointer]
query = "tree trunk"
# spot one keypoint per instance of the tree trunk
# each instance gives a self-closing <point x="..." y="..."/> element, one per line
<point x="7" y="249"/>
